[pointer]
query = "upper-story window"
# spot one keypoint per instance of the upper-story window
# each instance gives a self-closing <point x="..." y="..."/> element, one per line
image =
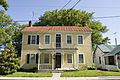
<point x="80" y="39"/>
<point x="69" y="39"/>
<point x="33" y="39"/>
<point x="47" y="39"/>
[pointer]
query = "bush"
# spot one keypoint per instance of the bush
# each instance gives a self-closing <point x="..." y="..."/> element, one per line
<point x="93" y="67"/>
<point x="83" y="67"/>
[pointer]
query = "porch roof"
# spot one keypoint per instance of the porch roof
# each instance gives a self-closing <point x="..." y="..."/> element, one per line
<point x="59" y="49"/>
<point x="115" y="51"/>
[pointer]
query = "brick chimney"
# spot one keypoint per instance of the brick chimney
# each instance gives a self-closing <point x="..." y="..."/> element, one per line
<point x="30" y="24"/>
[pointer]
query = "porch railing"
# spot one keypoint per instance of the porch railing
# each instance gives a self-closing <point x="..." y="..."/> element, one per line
<point x="45" y="66"/>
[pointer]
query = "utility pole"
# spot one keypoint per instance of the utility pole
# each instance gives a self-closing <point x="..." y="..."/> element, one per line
<point x="115" y="38"/>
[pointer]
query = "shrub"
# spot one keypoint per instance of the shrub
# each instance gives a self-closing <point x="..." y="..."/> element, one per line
<point x="83" y="67"/>
<point x="93" y="67"/>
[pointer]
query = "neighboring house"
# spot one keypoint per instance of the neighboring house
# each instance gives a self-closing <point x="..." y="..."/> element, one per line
<point x="56" y="47"/>
<point x="107" y="57"/>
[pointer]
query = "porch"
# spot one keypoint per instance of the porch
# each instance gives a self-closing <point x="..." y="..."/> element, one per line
<point x="112" y="62"/>
<point x="60" y="59"/>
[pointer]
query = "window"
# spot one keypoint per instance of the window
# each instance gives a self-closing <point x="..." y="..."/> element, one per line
<point x="99" y="60"/>
<point x="69" y="39"/>
<point x="80" y="39"/>
<point x="69" y="58"/>
<point x="32" y="59"/>
<point x="81" y="59"/>
<point x="111" y="60"/>
<point x="33" y="39"/>
<point x="47" y="39"/>
<point x="46" y="58"/>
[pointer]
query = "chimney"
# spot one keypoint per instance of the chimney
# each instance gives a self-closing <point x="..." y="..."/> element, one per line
<point x="30" y="24"/>
<point x="83" y="24"/>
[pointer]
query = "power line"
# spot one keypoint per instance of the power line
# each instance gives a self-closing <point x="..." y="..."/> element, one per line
<point x="75" y="4"/>
<point x="105" y="17"/>
<point x="66" y="4"/>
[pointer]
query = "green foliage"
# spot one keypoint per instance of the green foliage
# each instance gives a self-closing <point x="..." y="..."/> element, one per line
<point x="83" y="67"/>
<point x="93" y="67"/>
<point x="4" y="4"/>
<point x="8" y="60"/>
<point x="72" y="17"/>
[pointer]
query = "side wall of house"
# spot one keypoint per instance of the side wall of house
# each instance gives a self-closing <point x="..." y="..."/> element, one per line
<point x="99" y="54"/>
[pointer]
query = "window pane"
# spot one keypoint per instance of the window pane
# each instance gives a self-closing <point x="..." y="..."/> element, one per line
<point x="47" y="39"/>
<point x="69" y="58"/>
<point x="69" y="39"/>
<point x="99" y="60"/>
<point x="32" y="58"/>
<point x="80" y="39"/>
<point x="46" y="58"/>
<point x="33" y="40"/>
<point x="81" y="60"/>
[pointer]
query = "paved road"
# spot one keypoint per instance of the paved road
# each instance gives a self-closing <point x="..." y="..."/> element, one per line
<point x="56" y="76"/>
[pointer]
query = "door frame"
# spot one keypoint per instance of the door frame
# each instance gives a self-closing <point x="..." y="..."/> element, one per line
<point x="58" y="54"/>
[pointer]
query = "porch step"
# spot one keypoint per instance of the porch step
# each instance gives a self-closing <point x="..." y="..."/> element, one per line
<point x="56" y="71"/>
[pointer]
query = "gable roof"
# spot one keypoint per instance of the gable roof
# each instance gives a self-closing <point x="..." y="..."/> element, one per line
<point x="106" y="48"/>
<point x="56" y="28"/>
<point x="116" y="50"/>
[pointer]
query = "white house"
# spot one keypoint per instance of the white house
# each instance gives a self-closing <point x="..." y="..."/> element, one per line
<point x="102" y="59"/>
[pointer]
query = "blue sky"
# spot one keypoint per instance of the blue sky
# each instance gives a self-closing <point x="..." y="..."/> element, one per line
<point x="23" y="9"/>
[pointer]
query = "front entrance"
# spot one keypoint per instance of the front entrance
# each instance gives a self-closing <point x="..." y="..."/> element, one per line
<point x="58" y="60"/>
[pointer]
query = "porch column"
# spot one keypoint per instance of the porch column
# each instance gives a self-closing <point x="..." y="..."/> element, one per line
<point x="116" y="60"/>
<point x="62" y="59"/>
<point x="38" y="61"/>
<point x="53" y="60"/>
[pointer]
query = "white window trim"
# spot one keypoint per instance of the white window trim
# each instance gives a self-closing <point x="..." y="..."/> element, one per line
<point x="49" y="39"/>
<point x="44" y="58"/>
<point x="30" y="59"/>
<point x="83" y="58"/>
<point x="35" y="39"/>
<point x="67" y="59"/>
<point x="71" y="39"/>
<point x="83" y="39"/>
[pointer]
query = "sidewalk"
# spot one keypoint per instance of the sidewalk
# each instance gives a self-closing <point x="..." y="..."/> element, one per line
<point x="62" y="78"/>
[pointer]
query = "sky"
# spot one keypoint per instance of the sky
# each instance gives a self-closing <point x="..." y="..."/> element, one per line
<point x="21" y="10"/>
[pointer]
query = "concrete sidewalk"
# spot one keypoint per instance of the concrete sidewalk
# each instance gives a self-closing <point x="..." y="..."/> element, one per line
<point x="62" y="78"/>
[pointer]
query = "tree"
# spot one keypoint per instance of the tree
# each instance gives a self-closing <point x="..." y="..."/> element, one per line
<point x="72" y="17"/>
<point x="4" y="4"/>
<point x="8" y="60"/>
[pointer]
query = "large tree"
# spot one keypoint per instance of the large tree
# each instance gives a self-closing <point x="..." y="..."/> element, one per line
<point x="4" y="4"/>
<point x="73" y="17"/>
<point x="8" y="60"/>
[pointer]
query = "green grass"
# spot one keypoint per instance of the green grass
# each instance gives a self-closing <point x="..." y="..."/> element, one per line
<point x="89" y="73"/>
<point x="29" y="74"/>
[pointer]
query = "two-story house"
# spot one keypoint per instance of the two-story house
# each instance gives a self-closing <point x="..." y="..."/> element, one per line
<point x="56" y="47"/>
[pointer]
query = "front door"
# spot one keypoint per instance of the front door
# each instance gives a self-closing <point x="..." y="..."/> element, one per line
<point x="58" y="60"/>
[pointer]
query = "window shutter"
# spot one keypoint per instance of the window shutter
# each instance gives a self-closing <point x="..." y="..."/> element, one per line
<point x="29" y="39"/>
<point x="28" y="55"/>
<point x="37" y="39"/>
<point x="36" y="58"/>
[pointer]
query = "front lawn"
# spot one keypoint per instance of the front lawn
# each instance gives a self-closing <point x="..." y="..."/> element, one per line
<point x="89" y="73"/>
<point x="29" y="74"/>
